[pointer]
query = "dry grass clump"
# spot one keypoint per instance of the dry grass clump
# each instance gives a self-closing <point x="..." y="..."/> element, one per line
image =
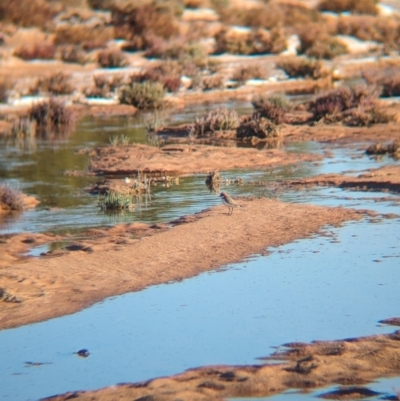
<point x="104" y="85"/>
<point x="216" y="120"/>
<point x="178" y="48"/>
<point x="303" y="67"/>
<point x="316" y="41"/>
<point x="381" y="149"/>
<point x="111" y="58"/>
<point x="71" y="54"/>
<point x="52" y="115"/>
<point x="274" y="107"/>
<point x="28" y="13"/>
<point x="256" y="126"/>
<point x="57" y="84"/>
<point x="211" y="82"/>
<point x="353" y="106"/>
<point x="10" y="199"/>
<point x="259" y="41"/>
<point x="143" y="95"/>
<point x="168" y="74"/>
<point x="384" y="30"/>
<point x="244" y="72"/>
<point x="141" y="23"/>
<point x="354" y="6"/>
<point x="388" y="79"/>
<point x="83" y="34"/>
<point x="44" y="51"/>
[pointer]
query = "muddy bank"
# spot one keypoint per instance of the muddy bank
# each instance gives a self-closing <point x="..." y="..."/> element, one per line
<point x="186" y="159"/>
<point x="351" y="363"/>
<point x="385" y="179"/>
<point x="117" y="262"/>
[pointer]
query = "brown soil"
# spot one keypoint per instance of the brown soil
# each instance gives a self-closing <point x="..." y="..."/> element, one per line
<point x="113" y="262"/>
<point x="385" y="179"/>
<point x="342" y="135"/>
<point x="350" y="362"/>
<point x="186" y="159"/>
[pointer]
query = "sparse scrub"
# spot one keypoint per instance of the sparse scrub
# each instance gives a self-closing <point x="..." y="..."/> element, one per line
<point x="143" y="95"/>
<point x="252" y="42"/>
<point x="296" y="67"/>
<point x="215" y="120"/>
<point x="29" y="13"/>
<point x="52" y="115"/>
<point x="111" y="58"/>
<point x="210" y="82"/>
<point x="10" y="199"/>
<point x="366" y="116"/>
<point x="245" y="72"/>
<point x="141" y="23"/>
<point x="57" y="84"/>
<point x="384" y="30"/>
<point x="115" y="201"/>
<point x="104" y="85"/>
<point x="388" y="79"/>
<point x="82" y="34"/>
<point x="256" y="126"/>
<point x="272" y="107"/>
<point x="354" y="6"/>
<point x="44" y="51"/>
<point x="341" y="103"/>
<point x="316" y="41"/>
<point x="168" y="74"/>
<point x="119" y="140"/>
<point x="72" y="54"/>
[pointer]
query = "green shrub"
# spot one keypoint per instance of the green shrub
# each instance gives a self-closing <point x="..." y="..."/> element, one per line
<point x="143" y="95"/>
<point x="115" y="201"/>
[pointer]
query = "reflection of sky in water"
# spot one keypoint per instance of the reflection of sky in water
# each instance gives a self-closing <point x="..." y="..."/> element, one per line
<point x="323" y="288"/>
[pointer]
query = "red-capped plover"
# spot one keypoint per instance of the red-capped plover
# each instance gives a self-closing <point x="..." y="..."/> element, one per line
<point x="228" y="201"/>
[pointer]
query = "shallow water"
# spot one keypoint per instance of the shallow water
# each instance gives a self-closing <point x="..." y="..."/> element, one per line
<point x="324" y="288"/>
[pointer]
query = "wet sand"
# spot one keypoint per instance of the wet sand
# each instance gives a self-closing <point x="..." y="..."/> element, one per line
<point x="115" y="262"/>
<point x="351" y="363"/>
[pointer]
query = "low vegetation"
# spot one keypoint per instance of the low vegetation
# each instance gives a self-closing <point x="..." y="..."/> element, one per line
<point x="387" y="79"/>
<point x="11" y="199"/>
<point x="256" y="126"/>
<point x="352" y="106"/>
<point x="274" y="107"/>
<point x="245" y="72"/>
<point x="354" y="6"/>
<point x="115" y="201"/>
<point x="143" y="95"/>
<point x="168" y="74"/>
<point x="52" y="116"/>
<point x="216" y="120"/>
<point x="112" y="58"/>
<point x="44" y="51"/>
<point x="296" y="67"/>
<point x="57" y="84"/>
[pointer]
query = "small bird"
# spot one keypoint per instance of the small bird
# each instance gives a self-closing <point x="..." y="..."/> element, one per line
<point x="228" y="201"/>
<point x="127" y="180"/>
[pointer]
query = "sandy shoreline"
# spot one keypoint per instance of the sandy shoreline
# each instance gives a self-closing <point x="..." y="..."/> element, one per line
<point x="68" y="282"/>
